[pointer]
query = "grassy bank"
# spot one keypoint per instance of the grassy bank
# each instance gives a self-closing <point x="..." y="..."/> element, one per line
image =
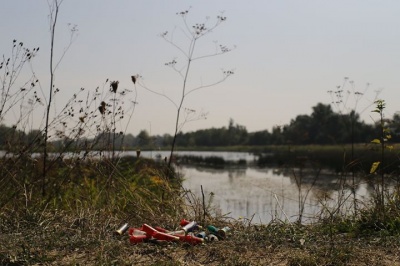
<point x="86" y="237"/>
<point x="74" y="223"/>
<point x="337" y="158"/>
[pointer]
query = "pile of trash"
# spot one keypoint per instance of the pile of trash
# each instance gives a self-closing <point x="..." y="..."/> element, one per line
<point x="190" y="232"/>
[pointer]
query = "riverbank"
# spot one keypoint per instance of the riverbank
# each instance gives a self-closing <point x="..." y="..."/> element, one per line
<point x="59" y="238"/>
<point x="85" y="201"/>
<point x="339" y="158"/>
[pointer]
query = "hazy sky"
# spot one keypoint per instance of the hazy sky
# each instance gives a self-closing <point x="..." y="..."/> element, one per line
<point x="288" y="55"/>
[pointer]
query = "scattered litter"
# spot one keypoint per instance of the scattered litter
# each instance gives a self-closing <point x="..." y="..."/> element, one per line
<point x="212" y="237"/>
<point x="190" y="232"/>
<point x="122" y="229"/>
<point x="220" y="233"/>
<point x="202" y="234"/>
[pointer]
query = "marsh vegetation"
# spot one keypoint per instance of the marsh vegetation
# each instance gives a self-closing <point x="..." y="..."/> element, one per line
<point x="67" y="186"/>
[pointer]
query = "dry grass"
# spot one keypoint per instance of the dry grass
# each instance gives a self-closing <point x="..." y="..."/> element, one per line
<point x="88" y="238"/>
<point x="76" y="225"/>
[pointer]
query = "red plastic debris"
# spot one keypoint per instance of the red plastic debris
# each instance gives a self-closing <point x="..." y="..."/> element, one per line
<point x="184" y="222"/>
<point x="157" y="234"/>
<point x="134" y="239"/>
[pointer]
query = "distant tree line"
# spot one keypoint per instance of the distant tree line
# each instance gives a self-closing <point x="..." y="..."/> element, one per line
<point x="323" y="126"/>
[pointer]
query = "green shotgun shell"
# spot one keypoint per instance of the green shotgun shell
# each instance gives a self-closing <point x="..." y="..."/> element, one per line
<point x="212" y="229"/>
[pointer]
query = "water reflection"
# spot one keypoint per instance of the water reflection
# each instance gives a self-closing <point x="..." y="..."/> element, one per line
<point x="267" y="194"/>
<point x="263" y="194"/>
<point x="225" y="155"/>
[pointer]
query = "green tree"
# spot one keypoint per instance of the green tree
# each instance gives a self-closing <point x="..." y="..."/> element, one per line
<point x="324" y="123"/>
<point x="144" y="138"/>
<point x="277" y="136"/>
<point x="237" y="134"/>
<point x="259" y="138"/>
<point x="394" y="125"/>
<point x="298" y="131"/>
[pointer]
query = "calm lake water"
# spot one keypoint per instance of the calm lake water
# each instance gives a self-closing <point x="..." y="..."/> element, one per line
<point x="227" y="156"/>
<point x="263" y="194"/>
<point x="266" y="194"/>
